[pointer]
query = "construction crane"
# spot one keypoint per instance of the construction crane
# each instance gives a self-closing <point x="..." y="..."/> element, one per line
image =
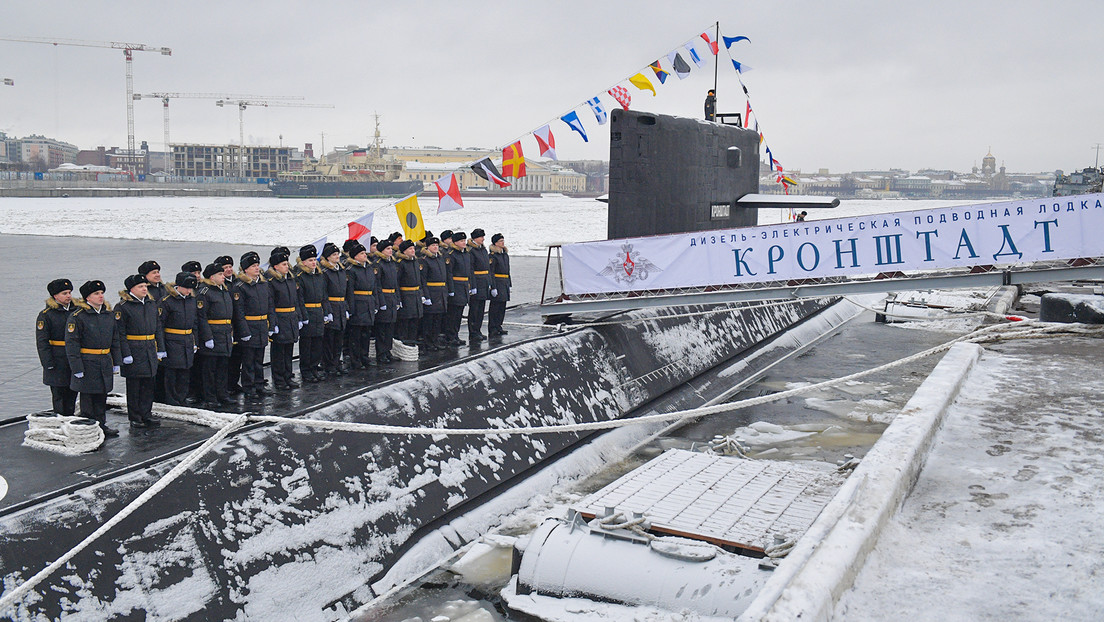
<point x="128" y="53"/>
<point x="165" y="97"/>
<point x="242" y="104"/>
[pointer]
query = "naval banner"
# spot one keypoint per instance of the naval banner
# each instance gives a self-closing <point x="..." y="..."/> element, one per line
<point x="951" y="237"/>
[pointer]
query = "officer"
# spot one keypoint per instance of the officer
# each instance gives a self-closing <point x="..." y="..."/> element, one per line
<point x="142" y="345"/>
<point x="388" y="279"/>
<point x="288" y="320"/>
<point x="435" y="280"/>
<point x="214" y="316"/>
<point x="480" y="286"/>
<point x="711" y="105"/>
<point x="396" y="239"/>
<point x="411" y="294"/>
<point x="50" y="337"/>
<point x="151" y="270"/>
<point x="446" y="242"/>
<point x="92" y="347"/>
<point x="195" y="379"/>
<point x="233" y="366"/>
<point x="459" y="264"/>
<point x="362" y="297"/>
<point x="312" y="291"/>
<point x="337" y="282"/>
<point x="178" y="317"/>
<point x="252" y="307"/>
<point x="500" y="285"/>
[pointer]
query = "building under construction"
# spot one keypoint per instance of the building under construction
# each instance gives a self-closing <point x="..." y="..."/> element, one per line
<point x="223" y="160"/>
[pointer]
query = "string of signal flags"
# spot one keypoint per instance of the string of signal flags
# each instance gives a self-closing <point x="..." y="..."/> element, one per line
<point x="697" y="50"/>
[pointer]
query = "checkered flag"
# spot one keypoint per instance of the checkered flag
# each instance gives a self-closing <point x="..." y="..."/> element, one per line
<point x="621" y="95"/>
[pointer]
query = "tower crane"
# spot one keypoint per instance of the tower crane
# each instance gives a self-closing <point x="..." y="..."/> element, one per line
<point x="128" y="53"/>
<point x="165" y="97"/>
<point x="242" y="104"/>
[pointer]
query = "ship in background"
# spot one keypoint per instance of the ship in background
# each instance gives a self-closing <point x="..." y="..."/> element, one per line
<point x="1086" y="181"/>
<point x="360" y="173"/>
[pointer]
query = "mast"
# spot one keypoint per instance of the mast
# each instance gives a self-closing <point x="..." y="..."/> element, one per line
<point x="717" y="56"/>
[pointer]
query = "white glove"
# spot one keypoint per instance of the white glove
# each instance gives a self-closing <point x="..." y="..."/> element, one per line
<point x="471" y="292"/>
<point x="424" y="299"/>
<point x="209" y="344"/>
<point x="80" y="374"/>
<point x="115" y="369"/>
<point x="301" y="322"/>
<point x="127" y="360"/>
<point x="270" y="334"/>
<point x="247" y="337"/>
<point x="427" y="302"/>
<point x="161" y="355"/>
<point x="383" y="307"/>
<point x="304" y="323"/>
<point x="275" y="330"/>
<point x="399" y="306"/>
<point x="494" y="292"/>
<point x="328" y="318"/>
<point x="348" y="315"/>
<point x="452" y="294"/>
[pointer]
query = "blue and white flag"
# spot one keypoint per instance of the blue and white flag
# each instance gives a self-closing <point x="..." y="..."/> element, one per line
<point x="694" y="55"/>
<point x="682" y="70"/>
<point x="599" y="110"/>
<point x="572" y="121"/>
<point x="730" y="40"/>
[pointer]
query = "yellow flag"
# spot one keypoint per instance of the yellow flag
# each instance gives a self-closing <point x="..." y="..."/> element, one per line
<point x="641" y="82"/>
<point x="410" y="217"/>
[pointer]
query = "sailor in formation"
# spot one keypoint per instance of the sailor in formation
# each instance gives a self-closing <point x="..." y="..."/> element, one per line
<point x="208" y="330"/>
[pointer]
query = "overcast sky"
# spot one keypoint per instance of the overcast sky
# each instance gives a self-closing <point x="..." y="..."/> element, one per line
<point x="843" y="85"/>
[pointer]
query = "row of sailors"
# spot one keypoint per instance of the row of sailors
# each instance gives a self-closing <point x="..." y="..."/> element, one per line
<point x="332" y="305"/>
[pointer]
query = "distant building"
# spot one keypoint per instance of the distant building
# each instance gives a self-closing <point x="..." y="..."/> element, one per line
<point x="222" y="160"/>
<point x="539" y="177"/>
<point x="39" y="151"/>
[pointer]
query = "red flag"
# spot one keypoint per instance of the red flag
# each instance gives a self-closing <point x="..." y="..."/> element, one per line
<point x="361" y="227"/>
<point x="546" y="142"/>
<point x="621" y="94"/>
<point x="711" y="42"/>
<point x="513" y="162"/>
<point x="448" y="194"/>
<point x="747" y="117"/>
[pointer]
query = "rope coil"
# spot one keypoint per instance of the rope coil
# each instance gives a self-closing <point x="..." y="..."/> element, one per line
<point x="62" y="434"/>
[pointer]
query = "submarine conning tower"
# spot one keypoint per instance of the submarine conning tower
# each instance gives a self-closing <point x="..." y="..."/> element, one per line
<point x="673" y="174"/>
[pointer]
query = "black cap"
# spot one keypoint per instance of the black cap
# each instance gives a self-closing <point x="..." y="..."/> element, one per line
<point x="186" y="279"/>
<point x="277" y="257"/>
<point x="446" y="234"/>
<point x="495" y="238"/>
<point x="148" y="266"/>
<point x="428" y="234"/>
<point x="280" y="249"/>
<point x="211" y="270"/>
<point x="249" y="259"/>
<point x="224" y="260"/>
<point x="394" y="236"/>
<point x="432" y="241"/>
<point x="405" y="245"/>
<point x="57" y="286"/>
<point x="478" y="233"/>
<point x="191" y="266"/>
<point x="356" y="249"/>
<point x="459" y="235"/>
<point x="382" y="244"/>
<point x="348" y="245"/>
<point x="329" y="249"/>
<point x="91" y="287"/>
<point x="134" y="279"/>
<point x="308" y="251"/>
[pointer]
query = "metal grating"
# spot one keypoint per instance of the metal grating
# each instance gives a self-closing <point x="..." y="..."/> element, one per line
<point x="735" y="503"/>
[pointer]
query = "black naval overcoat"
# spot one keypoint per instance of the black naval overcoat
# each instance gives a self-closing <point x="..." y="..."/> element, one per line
<point x="459" y="264"/>
<point x="50" y="338"/>
<point x="312" y="292"/>
<point x="215" y="316"/>
<point x="140" y="335"/>
<point x="481" y="271"/>
<point x="500" y="275"/>
<point x="286" y="305"/>
<point x="179" y="316"/>
<point x="410" y="287"/>
<point x="337" y="282"/>
<point x="363" y="293"/>
<point x="92" y="346"/>
<point x="389" y="289"/>
<point x="253" y="310"/>
<point x="435" y="280"/>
